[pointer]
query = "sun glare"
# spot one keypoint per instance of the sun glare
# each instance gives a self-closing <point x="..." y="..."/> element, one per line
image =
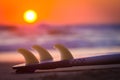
<point x="30" y="16"/>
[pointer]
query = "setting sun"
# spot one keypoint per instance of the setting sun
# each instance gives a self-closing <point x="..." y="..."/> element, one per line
<point x="30" y="16"/>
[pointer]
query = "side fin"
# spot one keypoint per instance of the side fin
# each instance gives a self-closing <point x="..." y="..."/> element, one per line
<point x="65" y="53"/>
<point x="29" y="57"/>
<point x="43" y="53"/>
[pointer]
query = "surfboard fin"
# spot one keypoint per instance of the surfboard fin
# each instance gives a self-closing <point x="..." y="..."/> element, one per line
<point x="65" y="53"/>
<point x="43" y="53"/>
<point x="29" y="57"/>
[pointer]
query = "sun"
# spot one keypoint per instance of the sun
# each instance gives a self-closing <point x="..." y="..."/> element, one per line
<point x="30" y="16"/>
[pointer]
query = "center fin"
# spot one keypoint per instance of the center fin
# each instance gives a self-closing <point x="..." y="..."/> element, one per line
<point x="43" y="53"/>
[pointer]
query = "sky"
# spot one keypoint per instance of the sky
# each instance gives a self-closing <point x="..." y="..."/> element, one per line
<point x="61" y="11"/>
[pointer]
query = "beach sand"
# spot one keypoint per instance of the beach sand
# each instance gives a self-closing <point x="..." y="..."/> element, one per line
<point x="7" y="73"/>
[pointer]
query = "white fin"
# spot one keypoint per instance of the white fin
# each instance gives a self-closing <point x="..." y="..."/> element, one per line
<point x="43" y="53"/>
<point x="65" y="53"/>
<point x="29" y="57"/>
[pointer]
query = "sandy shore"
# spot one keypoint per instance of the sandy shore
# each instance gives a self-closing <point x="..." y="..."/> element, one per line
<point x="7" y="73"/>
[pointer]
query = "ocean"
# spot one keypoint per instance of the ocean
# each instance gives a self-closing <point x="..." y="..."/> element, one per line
<point x="72" y="36"/>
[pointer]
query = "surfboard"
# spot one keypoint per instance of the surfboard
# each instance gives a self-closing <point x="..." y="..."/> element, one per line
<point x="67" y="61"/>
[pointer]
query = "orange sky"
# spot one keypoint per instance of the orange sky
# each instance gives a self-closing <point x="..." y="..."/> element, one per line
<point x="61" y="11"/>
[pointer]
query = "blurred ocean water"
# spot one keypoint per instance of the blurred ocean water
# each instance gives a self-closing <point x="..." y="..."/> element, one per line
<point x="72" y="36"/>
